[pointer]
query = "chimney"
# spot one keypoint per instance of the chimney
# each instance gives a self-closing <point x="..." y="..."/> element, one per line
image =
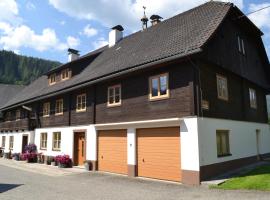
<point x="115" y="35"/>
<point x="73" y="54"/>
<point x="144" y="19"/>
<point x="155" y="19"/>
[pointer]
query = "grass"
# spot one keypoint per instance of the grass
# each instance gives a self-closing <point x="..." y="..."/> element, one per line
<point x="257" y="179"/>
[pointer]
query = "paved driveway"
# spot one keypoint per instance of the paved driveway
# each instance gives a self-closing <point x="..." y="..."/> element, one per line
<point x="19" y="184"/>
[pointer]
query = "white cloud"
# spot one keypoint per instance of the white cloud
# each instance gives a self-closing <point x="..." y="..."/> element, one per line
<point x="73" y="42"/>
<point x="9" y="11"/>
<point x="89" y="31"/>
<point x="100" y="42"/>
<point x="30" y="6"/>
<point x="124" y="12"/>
<point x="22" y="36"/>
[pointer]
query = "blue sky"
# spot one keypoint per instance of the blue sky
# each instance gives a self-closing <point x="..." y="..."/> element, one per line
<point x="46" y="28"/>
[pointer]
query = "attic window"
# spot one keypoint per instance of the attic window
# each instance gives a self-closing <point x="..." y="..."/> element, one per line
<point x="65" y="74"/>
<point x="241" y="45"/>
<point x="52" y="79"/>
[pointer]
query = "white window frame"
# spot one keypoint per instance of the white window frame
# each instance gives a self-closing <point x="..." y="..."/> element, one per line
<point x="52" y="76"/>
<point x="65" y="74"/>
<point x="46" y="109"/>
<point x="59" y="111"/>
<point x="56" y="143"/>
<point x="80" y="103"/>
<point x="159" y="96"/>
<point x="43" y="142"/>
<point x="252" y="98"/>
<point x="114" y="96"/>
<point x="11" y="142"/>
<point x="224" y="93"/>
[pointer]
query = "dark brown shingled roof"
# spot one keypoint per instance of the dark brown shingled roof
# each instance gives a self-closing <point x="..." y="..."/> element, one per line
<point x="182" y="35"/>
<point x="7" y="92"/>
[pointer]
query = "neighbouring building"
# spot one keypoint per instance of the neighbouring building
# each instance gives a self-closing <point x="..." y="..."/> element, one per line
<point x="181" y="100"/>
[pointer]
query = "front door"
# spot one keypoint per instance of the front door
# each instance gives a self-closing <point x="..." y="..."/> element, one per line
<point x="24" y="142"/>
<point x="79" y="148"/>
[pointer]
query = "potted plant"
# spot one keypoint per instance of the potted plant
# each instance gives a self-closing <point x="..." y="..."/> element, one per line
<point x="16" y="156"/>
<point x="87" y="165"/>
<point x="40" y="158"/>
<point x="63" y="161"/>
<point x="54" y="162"/>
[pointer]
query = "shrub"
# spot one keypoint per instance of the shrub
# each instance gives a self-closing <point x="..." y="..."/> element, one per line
<point x="30" y="148"/>
<point x="63" y="159"/>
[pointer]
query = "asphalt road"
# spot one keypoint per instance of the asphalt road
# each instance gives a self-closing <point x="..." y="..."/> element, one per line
<point x="17" y="184"/>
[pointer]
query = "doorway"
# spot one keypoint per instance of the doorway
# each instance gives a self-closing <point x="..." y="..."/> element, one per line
<point x="79" y="148"/>
<point x="24" y="142"/>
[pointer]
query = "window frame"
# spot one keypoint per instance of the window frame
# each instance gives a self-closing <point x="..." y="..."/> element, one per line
<point x="3" y="145"/>
<point x="11" y="142"/>
<point x="159" y="97"/>
<point x="50" y="79"/>
<point x="18" y="115"/>
<point x="114" y="96"/>
<point x="81" y="103"/>
<point x="252" y="102"/>
<point x="46" y="107"/>
<point x="42" y="140"/>
<point x="56" y="107"/>
<point x="8" y="116"/>
<point x="226" y="152"/>
<point x="58" y="141"/>
<point x="65" y="72"/>
<point x="241" y="45"/>
<point x="219" y="95"/>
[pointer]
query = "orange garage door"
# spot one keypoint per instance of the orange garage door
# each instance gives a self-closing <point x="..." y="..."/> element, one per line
<point x="112" y="151"/>
<point x="158" y="152"/>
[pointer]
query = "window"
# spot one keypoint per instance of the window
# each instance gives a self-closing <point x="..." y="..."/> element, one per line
<point x="8" y="116"/>
<point x="11" y="142"/>
<point x="241" y="45"/>
<point x="81" y="103"/>
<point x="57" y="141"/>
<point x="114" y="95"/>
<point x="52" y="79"/>
<point x="18" y="114"/>
<point x="59" y="107"/>
<point x="43" y="141"/>
<point x="46" y="109"/>
<point x="159" y="87"/>
<point x="252" y="98"/>
<point x="222" y="88"/>
<point x="3" y="141"/>
<point x="65" y="74"/>
<point x="223" y="143"/>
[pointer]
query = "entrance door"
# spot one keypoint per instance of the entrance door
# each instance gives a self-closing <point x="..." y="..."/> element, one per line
<point x="79" y="148"/>
<point x="24" y="142"/>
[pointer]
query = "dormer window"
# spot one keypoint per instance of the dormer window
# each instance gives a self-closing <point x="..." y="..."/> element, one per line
<point x="52" y="79"/>
<point x="65" y="74"/>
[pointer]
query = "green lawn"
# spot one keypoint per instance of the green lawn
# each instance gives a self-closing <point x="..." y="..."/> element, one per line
<point x="257" y="179"/>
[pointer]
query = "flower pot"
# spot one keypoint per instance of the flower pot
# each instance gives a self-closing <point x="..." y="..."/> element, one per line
<point x="16" y="157"/>
<point x="63" y="165"/>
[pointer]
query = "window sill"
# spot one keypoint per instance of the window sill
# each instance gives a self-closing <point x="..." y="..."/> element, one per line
<point x="225" y="155"/>
<point x="56" y="149"/>
<point x="158" y="98"/>
<point x="59" y="114"/>
<point x="80" y="111"/>
<point x="114" y="105"/>
<point x="43" y="149"/>
<point x="223" y="99"/>
<point x="46" y="116"/>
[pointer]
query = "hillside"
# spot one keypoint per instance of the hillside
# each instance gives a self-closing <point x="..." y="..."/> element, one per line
<point x="21" y="70"/>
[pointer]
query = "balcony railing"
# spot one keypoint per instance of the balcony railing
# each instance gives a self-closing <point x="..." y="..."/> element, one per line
<point x="22" y="124"/>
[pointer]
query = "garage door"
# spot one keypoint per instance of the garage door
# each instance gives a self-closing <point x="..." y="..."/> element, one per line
<point x="158" y="153"/>
<point x="112" y="151"/>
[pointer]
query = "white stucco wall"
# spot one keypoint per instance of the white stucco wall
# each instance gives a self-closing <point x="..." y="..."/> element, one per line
<point x="242" y="137"/>
<point x="17" y="145"/>
<point x="67" y="140"/>
<point x="189" y="144"/>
